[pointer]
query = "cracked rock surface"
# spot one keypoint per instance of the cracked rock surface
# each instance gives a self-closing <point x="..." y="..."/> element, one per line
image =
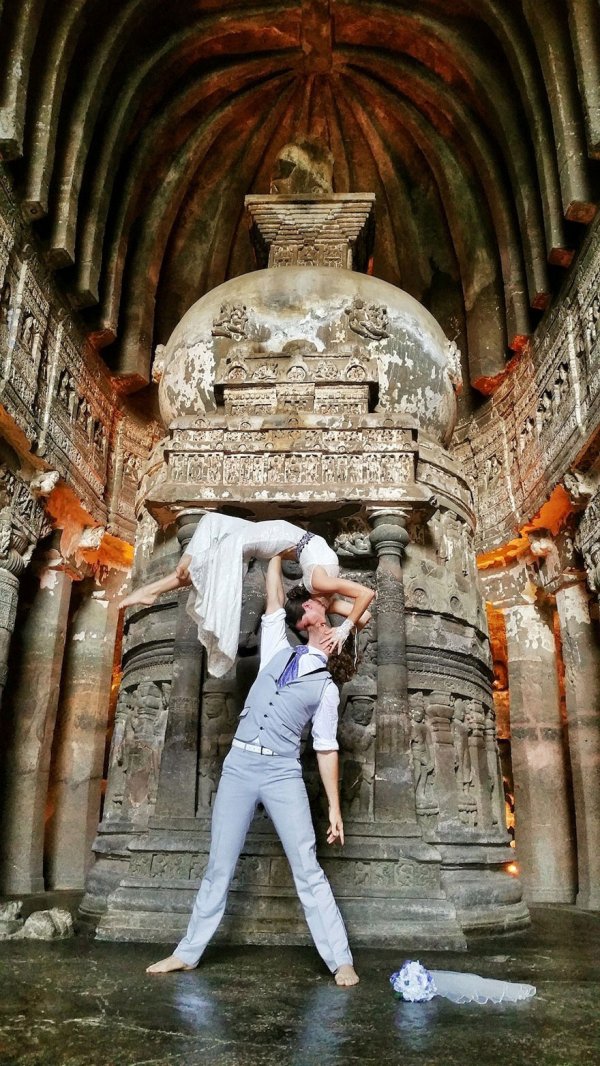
<point x="77" y="1002"/>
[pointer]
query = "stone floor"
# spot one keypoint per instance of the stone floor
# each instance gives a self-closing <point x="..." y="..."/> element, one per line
<point x="82" y="1003"/>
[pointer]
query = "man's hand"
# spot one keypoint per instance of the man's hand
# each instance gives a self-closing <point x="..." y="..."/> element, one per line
<point x="335" y="831"/>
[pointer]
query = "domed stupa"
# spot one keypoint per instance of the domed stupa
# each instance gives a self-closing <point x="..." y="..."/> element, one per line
<point x="311" y="390"/>
<point x="333" y="326"/>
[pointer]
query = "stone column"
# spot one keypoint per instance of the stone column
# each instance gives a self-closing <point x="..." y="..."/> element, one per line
<point x="178" y="782"/>
<point x="581" y="656"/>
<point x="9" y="594"/>
<point x="31" y="712"/>
<point x="78" y="758"/>
<point x="543" y="822"/>
<point x="394" y="789"/>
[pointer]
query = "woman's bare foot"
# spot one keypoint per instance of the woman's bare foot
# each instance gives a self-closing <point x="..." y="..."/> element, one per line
<point x="170" y="965"/>
<point x="139" y="597"/>
<point x="345" y="976"/>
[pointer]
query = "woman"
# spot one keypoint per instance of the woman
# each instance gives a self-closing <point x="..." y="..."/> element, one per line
<point x="216" y="562"/>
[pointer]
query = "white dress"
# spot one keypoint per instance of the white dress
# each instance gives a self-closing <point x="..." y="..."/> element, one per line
<point x="221" y="549"/>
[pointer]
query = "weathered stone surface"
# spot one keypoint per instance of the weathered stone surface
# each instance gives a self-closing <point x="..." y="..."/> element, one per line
<point x="543" y="823"/>
<point x="334" y="311"/>
<point x="55" y="924"/>
<point x="30" y="719"/>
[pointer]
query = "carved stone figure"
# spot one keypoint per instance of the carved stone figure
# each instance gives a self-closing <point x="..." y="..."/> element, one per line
<point x="453" y="368"/>
<point x="27" y="331"/>
<point x="158" y="365"/>
<point x="462" y="755"/>
<point x="231" y="322"/>
<point x="139" y="751"/>
<point x="216" y="732"/>
<point x="44" y="483"/>
<point x="422" y="756"/>
<point x="352" y="544"/>
<point x="5" y="301"/>
<point x="118" y="757"/>
<point x="356" y="734"/>
<point x="367" y="320"/>
<point x="303" y="167"/>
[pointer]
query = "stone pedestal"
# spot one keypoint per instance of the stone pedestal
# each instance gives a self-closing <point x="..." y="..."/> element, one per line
<point x="581" y="656"/>
<point x="543" y="820"/>
<point x="76" y="774"/>
<point x="37" y="661"/>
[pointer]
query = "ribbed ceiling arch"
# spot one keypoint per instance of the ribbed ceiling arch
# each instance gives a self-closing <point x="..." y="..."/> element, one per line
<point x="135" y="128"/>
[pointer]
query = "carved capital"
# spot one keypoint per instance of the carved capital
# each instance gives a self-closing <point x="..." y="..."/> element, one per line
<point x="186" y="524"/>
<point x="389" y="535"/>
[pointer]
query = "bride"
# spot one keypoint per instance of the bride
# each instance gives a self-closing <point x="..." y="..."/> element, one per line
<point x="216" y="562"/>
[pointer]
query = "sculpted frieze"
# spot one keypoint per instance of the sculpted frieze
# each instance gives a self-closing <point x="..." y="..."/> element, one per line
<point x="543" y="412"/>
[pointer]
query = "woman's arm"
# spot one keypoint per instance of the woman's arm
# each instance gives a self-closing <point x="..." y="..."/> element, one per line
<point x="328" y="770"/>
<point x="344" y="608"/>
<point x="323" y="584"/>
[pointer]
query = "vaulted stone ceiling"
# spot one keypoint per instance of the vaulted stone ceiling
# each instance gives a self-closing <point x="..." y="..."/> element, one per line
<point x="134" y="128"/>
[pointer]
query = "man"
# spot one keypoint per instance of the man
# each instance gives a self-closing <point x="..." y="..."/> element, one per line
<point x="292" y="688"/>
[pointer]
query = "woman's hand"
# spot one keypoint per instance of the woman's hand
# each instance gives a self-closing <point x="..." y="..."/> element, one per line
<point x="334" y="638"/>
<point x="335" y="831"/>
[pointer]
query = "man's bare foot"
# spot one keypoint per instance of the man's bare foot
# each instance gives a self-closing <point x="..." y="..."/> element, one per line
<point x="170" y="965"/>
<point x="140" y="597"/>
<point x="345" y="976"/>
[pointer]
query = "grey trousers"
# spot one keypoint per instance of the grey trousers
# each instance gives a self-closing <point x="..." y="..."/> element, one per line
<point x="276" y="782"/>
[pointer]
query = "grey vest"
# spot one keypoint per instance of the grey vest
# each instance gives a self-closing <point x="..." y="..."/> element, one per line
<point x="276" y="715"/>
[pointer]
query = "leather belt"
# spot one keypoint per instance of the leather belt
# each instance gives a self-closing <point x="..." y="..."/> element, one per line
<point x="252" y="747"/>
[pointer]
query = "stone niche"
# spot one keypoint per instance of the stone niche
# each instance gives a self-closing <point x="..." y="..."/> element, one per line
<point x="328" y="397"/>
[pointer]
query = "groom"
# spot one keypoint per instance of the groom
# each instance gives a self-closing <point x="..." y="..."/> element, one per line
<point x="293" y="687"/>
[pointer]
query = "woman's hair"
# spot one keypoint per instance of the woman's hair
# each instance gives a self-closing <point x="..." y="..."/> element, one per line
<point x="343" y="665"/>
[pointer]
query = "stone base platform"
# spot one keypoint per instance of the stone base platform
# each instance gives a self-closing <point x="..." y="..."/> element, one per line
<point x="392" y="889"/>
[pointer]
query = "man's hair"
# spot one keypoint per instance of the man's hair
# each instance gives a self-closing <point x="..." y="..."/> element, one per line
<point x="294" y="609"/>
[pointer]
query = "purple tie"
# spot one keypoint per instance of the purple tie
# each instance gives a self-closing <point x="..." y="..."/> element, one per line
<point x="290" y="672"/>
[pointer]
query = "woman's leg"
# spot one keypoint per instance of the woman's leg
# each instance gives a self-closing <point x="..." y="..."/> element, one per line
<point x="147" y="594"/>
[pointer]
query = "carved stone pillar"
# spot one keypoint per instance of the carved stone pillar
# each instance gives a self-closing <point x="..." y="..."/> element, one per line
<point x="76" y="772"/>
<point x="394" y="789"/>
<point x="581" y="656"/>
<point x="30" y="717"/>
<point x="13" y="545"/>
<point x="9" y="594"/>
<point x="543" y="824"/>
<point x="177" y="787"/>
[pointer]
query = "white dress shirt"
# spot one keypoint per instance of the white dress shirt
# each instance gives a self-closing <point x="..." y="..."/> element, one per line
<point x="273" y="639"/>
